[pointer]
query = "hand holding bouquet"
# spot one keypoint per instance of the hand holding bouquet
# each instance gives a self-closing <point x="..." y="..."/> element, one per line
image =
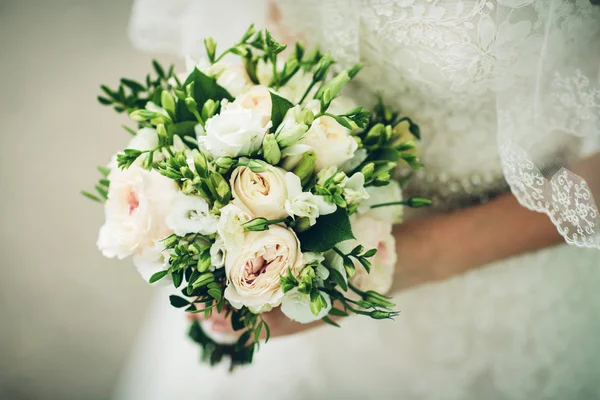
<point x="254" y="186"/>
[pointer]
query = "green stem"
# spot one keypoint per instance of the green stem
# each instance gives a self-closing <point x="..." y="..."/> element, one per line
<point x="308" y="89"/>
<point x="392" y="203"/>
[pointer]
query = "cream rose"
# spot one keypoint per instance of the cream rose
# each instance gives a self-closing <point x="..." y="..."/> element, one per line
<point x="331" y="142"/>
<point x="235" y="132"/>
<point x="377" y="234"/>
<point x="253" y="275"/>
<point x="257" y="99"/>
<point x="261" y="194"/>
<point x="136" y="209"/>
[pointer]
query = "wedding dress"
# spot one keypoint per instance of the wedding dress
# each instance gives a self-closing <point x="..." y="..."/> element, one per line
<point x="521" y="328"/>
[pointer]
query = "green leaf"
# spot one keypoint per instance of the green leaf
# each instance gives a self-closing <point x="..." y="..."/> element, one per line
<point x="185" y="128"/>
<point x="133" y="85"/>
<point x="130" y="130"/>
<point x="178" y="302"/>
<point x="257" y="331"/>
<point x="104" y="101"/>
<point x="327" y="232"/>
<point x="216" y="293"/>
<point x="370" y="253"/>
<point x="336" y="312"/>
<point x="91" y="196"/>
<point x="279" y="107"/>
<point x="385" y="154"/>
<point x="329" y="321"/>
<point x="206" y="87"/>
<point x="102" y="191"/>
<point x="103" y="170"/>
<point x="267" y="332"/>
<point x="158" y="68"/>
<point x="177" y="278"/>
<point x="158" y="276"/>
<point x="343" y="121"/>
<point x="338" y="278"/>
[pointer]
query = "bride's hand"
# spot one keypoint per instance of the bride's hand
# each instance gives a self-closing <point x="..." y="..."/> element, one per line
<point x="279" y="324"/>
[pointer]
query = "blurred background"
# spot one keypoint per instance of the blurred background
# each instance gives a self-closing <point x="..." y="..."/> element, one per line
<point x="66" y="319"/>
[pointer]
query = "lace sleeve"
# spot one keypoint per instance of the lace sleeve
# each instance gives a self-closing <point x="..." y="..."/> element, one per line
<point x="549" y="117"/>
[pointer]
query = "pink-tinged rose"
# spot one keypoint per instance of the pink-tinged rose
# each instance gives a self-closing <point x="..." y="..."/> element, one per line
<point x="257" y="99"/>
<point x="254" y="274"/>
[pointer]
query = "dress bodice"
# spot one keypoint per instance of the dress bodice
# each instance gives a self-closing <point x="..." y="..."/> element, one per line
<point x="443" y="63"/>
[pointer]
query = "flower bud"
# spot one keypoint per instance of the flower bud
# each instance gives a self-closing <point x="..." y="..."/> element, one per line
<point x="163" y="136"/>
<point x="339" y="177"/>
<point x="224" y="162"/>
<point x="378" y="314"/>
<point x="143" y="115"/>
<point x="167" y="102"/>
<point x="334" y="86"/>
<point x="170" y="241"/>
<point x="306" y="116"/>
<point x="377" y="299"/>
<point x="191" y="105"/>
<point x="257" y="166"/>
<point x="221" y="187"/>
<point x="305" y="166"/>
<point x="322" y="68"/>
<point x="211" y="48"/>
<point x="302" y="224"/>
<point x="382" y="179"/>
<point x="186" y="172"/>
<point x="290" y="133"/>
<point x="194" y="248"/>
<point x="367" y="170"/>
<point x="374" y="133"/>
<point x="416" y="202"/>
<point x="256" y="224"/>
<point x="208" y="109"/>
<point x="271" y="151"/>
<point x="201" y="165"/>
<point x="206" y="277"/>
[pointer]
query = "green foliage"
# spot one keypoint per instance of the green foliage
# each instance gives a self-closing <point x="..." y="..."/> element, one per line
<point x="279" y="107"/>
<point x="327" y="232"/>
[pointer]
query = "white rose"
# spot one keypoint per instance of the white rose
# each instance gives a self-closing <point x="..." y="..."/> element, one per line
<point x="253" y="275"/>
<point x="262" y="194"/>
<point x="235" y="132"/>
<point x="304" y="204"/>
<point x="191" y="214"/>
<point x="374" y="234"/>
<point x="257" y="99"/>
<point x="331" y="142"/>
<point x="383" y="194"/>
<point x="230" y="228"/>
<point x="296" y="306"/>
<point x="136" y="209"/>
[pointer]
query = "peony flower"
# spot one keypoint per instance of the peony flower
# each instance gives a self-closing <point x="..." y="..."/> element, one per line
<point x="383" y="194"/>
<point x="332" y="143"/>
<point x="257" y="99"/>
<point x="230" y="229"/>
<point x="254" y="274"/>
<point x="261" y="194"/>
<point x="191" y="214"/>
<point x="235" y="132"/>
<point x="304" y="204"/>
<point x="296" y="306"/>
<point x="136" y="209"/>
<point x="373" y="233"/>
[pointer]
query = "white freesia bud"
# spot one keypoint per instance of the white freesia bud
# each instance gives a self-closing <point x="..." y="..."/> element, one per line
<point x="331" y="142"/>
<point x="136" y="209"/>
<point x="235" y="132"/>
<point x="304" y="204"/>
<point x="296" y="306"/>
<point x="254" y="274"/>
<point x="383" y="194"/>
<point x="190" y="214"/>
<point x="261" y="194"/>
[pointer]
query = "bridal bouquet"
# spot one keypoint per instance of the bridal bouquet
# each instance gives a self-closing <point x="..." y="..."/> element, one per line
<point x="256" y="185"/>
